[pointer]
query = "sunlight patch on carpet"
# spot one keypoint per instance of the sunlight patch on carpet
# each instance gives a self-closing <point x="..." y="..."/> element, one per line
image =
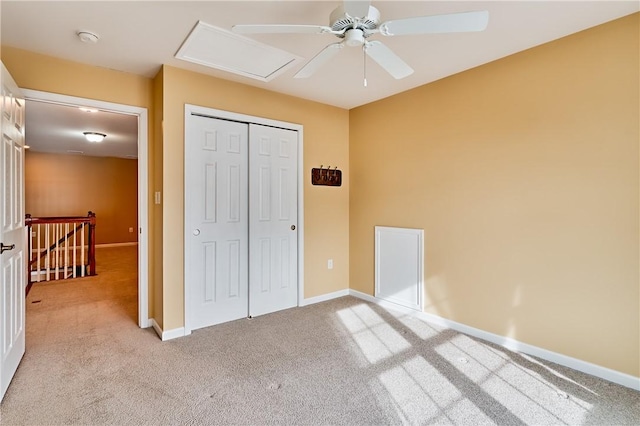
<point x="423" y="395"/>
<point x="500" y="376"/>
<point x="419" y="328"/>
<point x="376" y="339"/>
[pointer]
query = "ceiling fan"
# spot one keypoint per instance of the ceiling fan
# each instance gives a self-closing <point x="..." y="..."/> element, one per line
<point x="356" y="20"/>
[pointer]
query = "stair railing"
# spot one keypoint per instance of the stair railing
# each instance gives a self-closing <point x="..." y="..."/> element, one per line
<point x="61" y="247"/>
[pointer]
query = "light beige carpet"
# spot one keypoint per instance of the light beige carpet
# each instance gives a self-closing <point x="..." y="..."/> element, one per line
<point x="338" y="362"/>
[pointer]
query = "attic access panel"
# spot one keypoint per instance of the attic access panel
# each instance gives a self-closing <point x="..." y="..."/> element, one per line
<point x="221" y="49"/>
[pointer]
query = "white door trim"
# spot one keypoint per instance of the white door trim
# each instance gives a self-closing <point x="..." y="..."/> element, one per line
<point x="143" y="207"/>
<point x="228" y="115"/>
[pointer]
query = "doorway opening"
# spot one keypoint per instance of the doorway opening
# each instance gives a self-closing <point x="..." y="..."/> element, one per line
<point x="123" y="161"/>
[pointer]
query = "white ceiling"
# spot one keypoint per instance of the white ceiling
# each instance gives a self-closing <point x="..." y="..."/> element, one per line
<point x="59" y="129"/>
<point x="138" y="37"/>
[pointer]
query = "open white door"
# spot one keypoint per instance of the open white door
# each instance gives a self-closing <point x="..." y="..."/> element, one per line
<point x="12" y="231"/>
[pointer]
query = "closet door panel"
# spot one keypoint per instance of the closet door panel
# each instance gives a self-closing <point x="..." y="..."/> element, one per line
<point x="273" y="248"/>
<point x="216" y="220"/>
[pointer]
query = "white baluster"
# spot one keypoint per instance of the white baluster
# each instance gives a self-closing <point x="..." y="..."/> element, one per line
<point x="56" y="257"/>
<point x="66" y="250"/>
<point x="38" y="251"/>
<point x="75" y="248"/>
<point x="82" y="247"/>
<point x="47" y="260"/>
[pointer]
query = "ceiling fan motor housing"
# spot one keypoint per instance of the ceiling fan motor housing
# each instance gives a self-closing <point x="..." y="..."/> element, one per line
<point x="340" y="21"/>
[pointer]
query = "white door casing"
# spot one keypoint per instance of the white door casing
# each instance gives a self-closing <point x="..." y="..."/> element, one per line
<point x="272" y="219"/>
<point x="143" y="206"/>
<point x="285" y="161"/>
<point x="12" y="230"/>
<point x="216" y="200"/>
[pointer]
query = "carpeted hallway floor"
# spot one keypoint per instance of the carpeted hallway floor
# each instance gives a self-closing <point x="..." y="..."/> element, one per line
<point x="339" y="362"/>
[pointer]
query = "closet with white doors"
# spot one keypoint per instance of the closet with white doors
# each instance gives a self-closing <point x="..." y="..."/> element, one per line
<point x="241" y="208"/>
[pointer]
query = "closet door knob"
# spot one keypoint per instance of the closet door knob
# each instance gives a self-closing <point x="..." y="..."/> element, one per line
<point x="196" y="232"/>
<point x="293" y="227"/>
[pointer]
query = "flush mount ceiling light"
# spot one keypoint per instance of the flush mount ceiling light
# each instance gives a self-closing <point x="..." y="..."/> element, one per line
<point x="87" y="37"/>
<point x="94" y="136"/>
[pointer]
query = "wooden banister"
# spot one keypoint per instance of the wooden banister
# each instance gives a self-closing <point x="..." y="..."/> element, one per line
<point x="61" y="246"/>
<point x="91" y="217"/>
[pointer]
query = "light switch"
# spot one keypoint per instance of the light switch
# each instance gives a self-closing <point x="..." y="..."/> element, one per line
<point x="157" y="197"/>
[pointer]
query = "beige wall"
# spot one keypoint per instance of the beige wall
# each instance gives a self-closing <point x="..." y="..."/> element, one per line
<point x="40" y="72"/>
<point x="72" y="185"/>
<point x="524" y="175"/>
<point x="326" y="210"/>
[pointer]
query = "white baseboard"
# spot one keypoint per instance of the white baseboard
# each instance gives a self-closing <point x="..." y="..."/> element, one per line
<point x="166" y="335"/>
<point x="511" y="344"/>
<point x="373" y="299"/>
<point x="173" y="334"/>
<point x="324" y="297"/>
<point x="109" y="245"/>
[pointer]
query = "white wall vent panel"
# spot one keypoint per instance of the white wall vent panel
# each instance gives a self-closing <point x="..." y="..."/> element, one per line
<point x="221" y="49"/>
<point x="399" y="265"/>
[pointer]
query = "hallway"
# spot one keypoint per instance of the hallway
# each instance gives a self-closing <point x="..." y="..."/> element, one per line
<point x="85" y="305"/>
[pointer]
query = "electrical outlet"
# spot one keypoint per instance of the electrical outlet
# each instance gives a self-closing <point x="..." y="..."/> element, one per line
<point x="157" y="197"/>
<point x="330" y="264"/>
<point x="131" y="230"/>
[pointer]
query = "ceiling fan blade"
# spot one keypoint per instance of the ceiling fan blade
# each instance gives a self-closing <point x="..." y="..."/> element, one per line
<point x="280" y="29"/>
<point x="388" y="60"/>
<point x="357" y="8"/>
<point x="325" y="54"/>
<point x="450" y="23"/>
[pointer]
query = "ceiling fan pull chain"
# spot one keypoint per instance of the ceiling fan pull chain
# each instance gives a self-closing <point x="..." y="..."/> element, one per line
<point x="364" y="60"/>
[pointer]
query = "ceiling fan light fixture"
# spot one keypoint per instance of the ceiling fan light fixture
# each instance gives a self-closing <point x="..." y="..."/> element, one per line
<point x="94" y="137"/>
<point x="354" y="37"/>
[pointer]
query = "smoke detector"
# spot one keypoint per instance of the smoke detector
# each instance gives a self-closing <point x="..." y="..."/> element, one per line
<point x="87" y="37"/>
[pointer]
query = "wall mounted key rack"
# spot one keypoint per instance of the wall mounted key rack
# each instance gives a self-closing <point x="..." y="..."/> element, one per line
<point x="327" y="177"/>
